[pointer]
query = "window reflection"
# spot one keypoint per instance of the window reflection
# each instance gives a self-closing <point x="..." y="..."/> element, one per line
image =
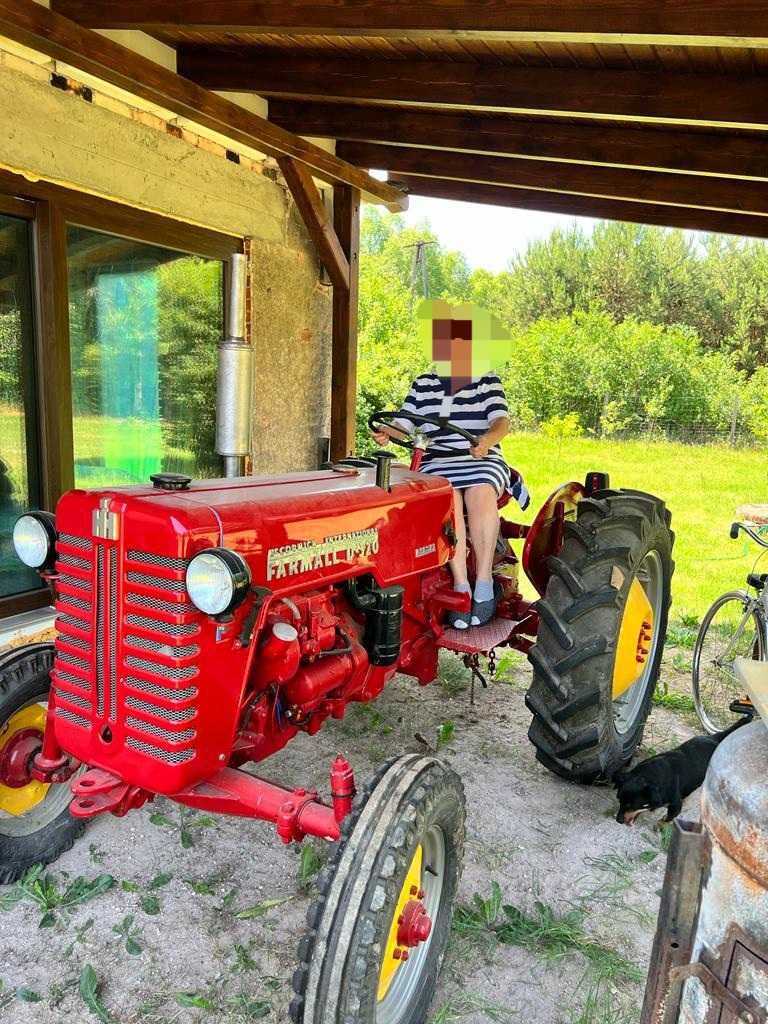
<point x="144" y="326"/>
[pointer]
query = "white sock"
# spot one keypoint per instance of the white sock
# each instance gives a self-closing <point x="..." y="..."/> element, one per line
<point x="483" y="590"/>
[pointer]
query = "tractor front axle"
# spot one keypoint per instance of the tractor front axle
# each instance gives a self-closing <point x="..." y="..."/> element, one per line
<point x="296" y="813"/>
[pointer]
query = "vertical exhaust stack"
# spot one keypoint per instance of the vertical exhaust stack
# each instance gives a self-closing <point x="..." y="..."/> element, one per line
<point x="234" y="386"/>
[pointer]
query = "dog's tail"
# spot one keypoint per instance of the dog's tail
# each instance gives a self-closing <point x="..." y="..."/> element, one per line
<point x="744" y="720"/>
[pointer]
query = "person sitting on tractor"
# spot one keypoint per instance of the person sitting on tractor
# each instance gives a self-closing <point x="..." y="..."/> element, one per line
<point x="462" y="389"/>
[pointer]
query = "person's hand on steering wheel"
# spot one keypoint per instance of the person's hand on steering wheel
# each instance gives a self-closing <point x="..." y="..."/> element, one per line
<point x="380" y="437"/>
<point x="481" y="449"/>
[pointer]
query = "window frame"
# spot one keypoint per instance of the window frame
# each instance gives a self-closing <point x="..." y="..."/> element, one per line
<point x="50" y="209"/>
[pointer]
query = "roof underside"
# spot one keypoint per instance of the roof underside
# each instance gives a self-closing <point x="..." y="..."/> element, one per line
<point x="626" y="109"/>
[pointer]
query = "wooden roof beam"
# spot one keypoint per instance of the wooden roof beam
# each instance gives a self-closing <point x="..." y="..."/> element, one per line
<point x="681" y="22"/>
<point x="706" y="99"/>
<point x="317" y="220"/>
<point x="613" y="182"/>
<point x="614" y="145"/>
<point x="584" y="206"/>
<point x="49" y="33"/>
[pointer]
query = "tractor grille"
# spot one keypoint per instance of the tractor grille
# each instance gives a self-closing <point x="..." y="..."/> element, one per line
<point x="159" y="659"/>
<point x="125" y="649"/>
<point x="74" y="653"/>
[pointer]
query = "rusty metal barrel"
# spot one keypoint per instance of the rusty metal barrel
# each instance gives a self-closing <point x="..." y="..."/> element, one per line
<point x="709" y="963"/>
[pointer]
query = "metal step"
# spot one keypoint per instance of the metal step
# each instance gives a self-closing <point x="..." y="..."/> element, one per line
<point x="477" y="639"/>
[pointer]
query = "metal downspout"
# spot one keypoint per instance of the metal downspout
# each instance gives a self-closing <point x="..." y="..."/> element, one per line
<point x="233" y="386"/>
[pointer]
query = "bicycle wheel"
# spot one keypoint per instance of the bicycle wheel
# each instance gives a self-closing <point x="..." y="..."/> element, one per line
<point x="733" y="627"/>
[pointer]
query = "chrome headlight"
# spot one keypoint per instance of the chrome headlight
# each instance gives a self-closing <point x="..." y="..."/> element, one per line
<point x="34" y="539"/>
<point x="217" y="581"/>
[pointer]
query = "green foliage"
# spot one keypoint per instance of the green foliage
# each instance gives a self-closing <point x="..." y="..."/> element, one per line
<point x="129" y="934"/>
<point x="445" y="733"/>
<point x="89" y="993"/>
<point x="542" y="930"/>
<point x="311" y="859"/>
<point x="560" y="428"/>
<point x="45" y="892"/>
<point x="260" y="909"/>
<point x="591" y="371"/>
<point x="702" y="486"/>
<point x="624" y="328"/>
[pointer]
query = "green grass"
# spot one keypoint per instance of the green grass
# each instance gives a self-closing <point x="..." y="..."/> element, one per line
<point x="542" y="930"/>
<point x="702" y="486"/>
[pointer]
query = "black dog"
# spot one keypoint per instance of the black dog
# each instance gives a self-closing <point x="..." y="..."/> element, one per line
<point x="666" y="779"/>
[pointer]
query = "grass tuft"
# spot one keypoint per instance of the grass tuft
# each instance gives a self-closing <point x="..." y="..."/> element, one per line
<point x="453" y="674"/>
<point x="311" y="859"/>
<point x="543" y="931"/>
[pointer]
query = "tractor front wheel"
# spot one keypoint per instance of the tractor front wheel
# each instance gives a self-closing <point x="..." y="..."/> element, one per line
<point x="378" y="931"/>
<point x="35" y="823"/>
<point x="603" y="621"/>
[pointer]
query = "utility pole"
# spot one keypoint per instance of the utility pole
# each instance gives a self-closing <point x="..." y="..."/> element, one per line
<point x="419" y="266"/>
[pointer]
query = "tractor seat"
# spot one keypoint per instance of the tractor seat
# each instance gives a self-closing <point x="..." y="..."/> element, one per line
<point x="757" y="580"/>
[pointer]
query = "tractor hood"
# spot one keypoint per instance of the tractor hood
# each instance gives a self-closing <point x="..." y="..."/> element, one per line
<point x="294" y="530"/>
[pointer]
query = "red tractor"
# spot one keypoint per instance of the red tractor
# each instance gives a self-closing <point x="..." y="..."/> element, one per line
<point x="201" y="626"/>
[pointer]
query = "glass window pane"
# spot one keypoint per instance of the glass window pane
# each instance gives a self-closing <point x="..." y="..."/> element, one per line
<point x="18" y="456"/>
<point x="144" y="326"/>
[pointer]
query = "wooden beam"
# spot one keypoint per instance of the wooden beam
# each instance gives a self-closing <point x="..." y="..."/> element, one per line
<point x="708" y="99"/>
<point x="346" y="221"/>
<point x="586" y="206"/>
<point x="615" y="145"/>
<point x="30" y="24"/>
<point x="613" y="182"/>
<point x="317" y="220"/>
<point x="697" y="22"/>
<point x="54" y="385"/>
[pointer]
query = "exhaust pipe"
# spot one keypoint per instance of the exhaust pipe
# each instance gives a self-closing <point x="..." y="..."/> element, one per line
<point x="233" y="386"/>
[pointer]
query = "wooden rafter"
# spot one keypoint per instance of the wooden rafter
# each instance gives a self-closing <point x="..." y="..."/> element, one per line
<point x="689" y="218"/>
<point x="626" y="94"/>
<point x="62" y="39"/>
<point x="317" y="220"/>
<point x="697" y="22"/>
<point x="615" y="182"/>
<point x="615" y="145"/>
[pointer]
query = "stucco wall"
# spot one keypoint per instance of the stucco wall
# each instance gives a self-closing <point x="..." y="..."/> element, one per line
<point x="57" y="136"/>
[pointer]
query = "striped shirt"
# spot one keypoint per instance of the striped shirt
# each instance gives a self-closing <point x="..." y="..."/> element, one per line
<point x="475" y="407"/>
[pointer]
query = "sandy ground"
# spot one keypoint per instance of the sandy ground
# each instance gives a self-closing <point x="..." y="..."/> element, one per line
<point x="541" y="839"/>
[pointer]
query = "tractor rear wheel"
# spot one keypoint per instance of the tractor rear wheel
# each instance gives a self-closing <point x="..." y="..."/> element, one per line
<point x="35" y="824"/>
<point x="603" y="621"/>
<point x="378" y="931"/>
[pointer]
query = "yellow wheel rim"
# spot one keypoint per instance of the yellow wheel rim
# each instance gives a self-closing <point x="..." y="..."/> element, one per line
<point x="635" y="642"/>
<point x="393" y="953"/>
<point x="18" y="800"/>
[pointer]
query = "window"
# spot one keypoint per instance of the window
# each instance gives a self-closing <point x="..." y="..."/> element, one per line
<point x="18" y="435"/>
<point x="110" y="319"/>
<point x="144" y="322"/>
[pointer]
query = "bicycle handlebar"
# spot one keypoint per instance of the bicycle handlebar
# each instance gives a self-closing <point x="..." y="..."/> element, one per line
<point x="750" y="532"/>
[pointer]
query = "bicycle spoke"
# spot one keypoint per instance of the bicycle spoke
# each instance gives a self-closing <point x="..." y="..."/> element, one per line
<point x="733" y="631"/>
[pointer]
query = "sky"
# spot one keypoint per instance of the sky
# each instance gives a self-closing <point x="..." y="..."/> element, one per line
<point x="487" y="235"/>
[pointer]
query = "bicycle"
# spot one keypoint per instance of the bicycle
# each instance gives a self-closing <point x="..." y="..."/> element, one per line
<point x="736" y="625"/>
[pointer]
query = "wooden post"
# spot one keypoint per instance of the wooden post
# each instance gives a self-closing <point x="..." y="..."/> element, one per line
<point x="346" y="221"/>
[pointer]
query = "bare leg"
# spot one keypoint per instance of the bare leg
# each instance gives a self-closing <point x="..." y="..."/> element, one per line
<point x="483" y="526"/>
<point x="459" y="561"/>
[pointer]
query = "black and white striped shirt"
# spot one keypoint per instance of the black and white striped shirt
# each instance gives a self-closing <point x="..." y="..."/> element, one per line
<point x="474" y="407"/>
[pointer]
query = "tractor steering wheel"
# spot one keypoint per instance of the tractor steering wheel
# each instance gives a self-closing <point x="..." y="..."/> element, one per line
<point x="380" y="419"/>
